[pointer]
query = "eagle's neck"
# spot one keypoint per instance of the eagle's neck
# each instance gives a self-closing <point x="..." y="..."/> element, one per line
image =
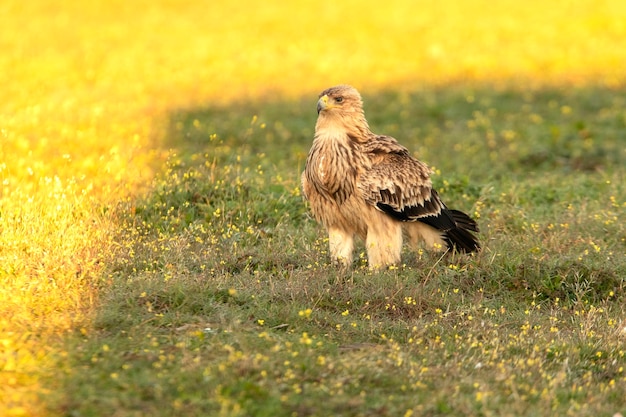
<point x="352" y="126"/>
<point x="332" y="137"/>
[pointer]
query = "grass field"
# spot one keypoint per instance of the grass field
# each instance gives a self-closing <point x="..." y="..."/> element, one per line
<point x="156" y="257"/>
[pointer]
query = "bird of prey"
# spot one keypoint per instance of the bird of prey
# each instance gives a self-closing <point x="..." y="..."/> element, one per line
<point x="362" y="184"/>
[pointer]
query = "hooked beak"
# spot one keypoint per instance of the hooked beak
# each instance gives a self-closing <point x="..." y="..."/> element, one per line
<point x="322" y="103"/>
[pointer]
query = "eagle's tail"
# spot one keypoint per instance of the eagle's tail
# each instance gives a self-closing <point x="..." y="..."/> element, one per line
<point x="453" y="228"/>
<point x="460" y="237"/>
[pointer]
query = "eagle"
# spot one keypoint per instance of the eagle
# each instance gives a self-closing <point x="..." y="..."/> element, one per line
<point x="362" y="184"/>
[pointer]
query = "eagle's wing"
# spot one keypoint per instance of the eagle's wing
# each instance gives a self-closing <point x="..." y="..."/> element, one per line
<point x="400" y="185"/>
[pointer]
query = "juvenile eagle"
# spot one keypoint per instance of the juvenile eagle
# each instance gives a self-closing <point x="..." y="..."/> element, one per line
<point x="360" y="183"/>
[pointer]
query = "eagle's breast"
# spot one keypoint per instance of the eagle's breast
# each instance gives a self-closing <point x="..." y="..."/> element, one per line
<point x="321" y="168"/>
<point x="330" y="169"/>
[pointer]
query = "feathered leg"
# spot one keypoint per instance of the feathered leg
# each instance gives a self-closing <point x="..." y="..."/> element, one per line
<point x="432" y="237"/>
<point x="341" y="245"/>
<point x="383" y="242"/>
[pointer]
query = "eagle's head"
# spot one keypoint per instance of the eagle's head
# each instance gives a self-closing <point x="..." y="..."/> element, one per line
<point x="340" y="109"/>
<point x="341" y="99"/>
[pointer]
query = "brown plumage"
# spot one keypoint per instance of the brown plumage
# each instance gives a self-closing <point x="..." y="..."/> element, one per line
<point x="360" y="183"/>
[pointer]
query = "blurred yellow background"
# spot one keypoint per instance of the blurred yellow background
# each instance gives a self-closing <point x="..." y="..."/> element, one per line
<point x="74" y="73"/>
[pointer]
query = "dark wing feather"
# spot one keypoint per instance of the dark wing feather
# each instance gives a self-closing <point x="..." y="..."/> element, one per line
<point x="397" y="183"/>
<point x="400" y="186"/>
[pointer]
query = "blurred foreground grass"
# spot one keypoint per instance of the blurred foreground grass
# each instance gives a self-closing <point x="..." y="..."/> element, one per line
<point x="519" y="105"/>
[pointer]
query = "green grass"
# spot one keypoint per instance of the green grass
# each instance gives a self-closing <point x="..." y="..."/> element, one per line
<point x="220" y="300"/>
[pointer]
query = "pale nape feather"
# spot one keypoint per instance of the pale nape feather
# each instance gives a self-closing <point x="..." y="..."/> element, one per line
<point x="359" y="183"/>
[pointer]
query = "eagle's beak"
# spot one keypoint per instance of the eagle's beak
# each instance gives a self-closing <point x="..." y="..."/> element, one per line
<point x="322" y="103"/>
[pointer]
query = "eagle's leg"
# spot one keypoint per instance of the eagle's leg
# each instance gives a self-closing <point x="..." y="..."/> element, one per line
<point x="341" y="245"/>
<point x="421" y="232"/>
<point x="384" y="243"/>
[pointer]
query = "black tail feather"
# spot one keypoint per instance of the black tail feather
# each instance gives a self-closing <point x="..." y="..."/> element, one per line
<point x="457" y="227"/>
<point x="460" y="238"/>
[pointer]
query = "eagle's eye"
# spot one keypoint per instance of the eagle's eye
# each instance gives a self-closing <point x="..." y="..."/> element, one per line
<point x="338" y="99"/>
